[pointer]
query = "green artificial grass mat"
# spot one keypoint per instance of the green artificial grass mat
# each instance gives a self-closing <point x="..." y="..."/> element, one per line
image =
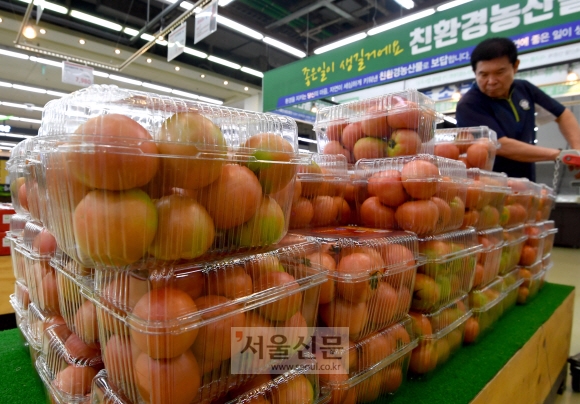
<point x="457" y="382"/>
<point x="472" y="367"/>
<point x="19" y="382"/>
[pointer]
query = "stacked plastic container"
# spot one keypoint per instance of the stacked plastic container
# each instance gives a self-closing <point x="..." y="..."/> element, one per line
<point x="475" y="146"/>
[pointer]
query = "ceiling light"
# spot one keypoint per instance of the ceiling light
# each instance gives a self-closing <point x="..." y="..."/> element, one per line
<point x="95" y="20"/>
<point x="28" y="107"/>
<point x="194" y="52"/>
<point x="239" y="27"/>
<point x="184" y="94"/>
<point x="160" y="37"/>
<point x="42" y="31"/>
<point x="55" y="93"/>
<point x="4" y="84"/>
<point x="100" y="74"/>
<point x="6" y="148"/>
<point x="226" y="82"/>
<point x="28" y="88"/>
<point x="202" y="76"/>
<point x="13" y="54"/>
<point x="147" y="37"/>
<point x="17" y="135"/>
<point x="1" y="19"/>
<point x="340" y="43"/>
<point x="177" y="68"/>
<point x="184" y="4"/>
<point x="456" y="96"/>
<point x="210" y="100"/>
<point x="8" y="144"/>
<point x="452" y="4"/>
<point x="130" y="31"/>
<point x="314" y="108"/>
<point x="118" y="51"/>
<point x="284" y="47"/>
<point x="303" y="139"/>
<point x="15" y="118"/>
<point x="29" y="32"/>
<point x="161" y="42"/>
<point x="49" y="6"/>
<point x="82" y="41"/>
<point x="223" y="3"/>
<point x="408" y="4"/>
<point x="572" y="77"/>
<point x="46" y="61"/>
<point x="157" y="87"/>
<point x="246" y="88"/>
<point x="401" y="21"/>
<point x="125" y="79"/>
<point x="223" y="62"/>
<point x="252" y="72"/>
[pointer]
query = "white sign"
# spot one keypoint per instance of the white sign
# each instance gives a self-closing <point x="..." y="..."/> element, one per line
<point x="5" y="128"/>
<point x="206" y="21"/>
<point x="176" y="42"/>
<point x="78" y="75"/>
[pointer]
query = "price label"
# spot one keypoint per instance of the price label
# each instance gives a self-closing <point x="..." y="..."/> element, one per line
<point x="77" y="74"/>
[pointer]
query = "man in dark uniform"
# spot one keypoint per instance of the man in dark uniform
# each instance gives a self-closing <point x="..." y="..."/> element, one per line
<point x="507" y="106"/>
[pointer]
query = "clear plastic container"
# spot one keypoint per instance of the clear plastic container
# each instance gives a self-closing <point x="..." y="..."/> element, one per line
<point x="103" y="392"/>
<point x="530" y="286"/>
<point x="36" y="196"/>
<point x="546" y="203"/>
<point x="21" y="315"/>
<point x="38" y="240"/>
<point x="391" y="125"/>
<point x="183" y="316"/>
<point x="424" y="194"/>
<point x="440" y="335"/>
<point x="375" y="383"/>
<point x="15" y="167"/>
<point x="449" y="269"/>
<point x="17" y="224"/>
<point x="519" y="204"/>
<point x="514" y="240"/>
<point x="480" y="298"/>
<point x="511" y="284"/>
<point x="488" y="260"/>
<point x="41" y="281"/>
<point x="475" y="146"/>
<point x="21" y="294"/>
<point x="18" y="262"/>
<point x="223" y="169"/>
<point x="550" y="230"/>
<point x="319" y="190"/>
<point x="39" y="321"/>
<point x="371" y="277"/>
<point x="534" y="246"/>
<point x="485" y="198"/>
<point x="547" y="261"/>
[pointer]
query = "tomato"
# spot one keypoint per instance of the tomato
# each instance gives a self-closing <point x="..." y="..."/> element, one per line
<point x="423" y="358"/>
<point x="447" y="150"/>
<point x="404" y="142"/>
<point x="351" y="134"/>
<point x="334" y="131"/>
<point x="463" y="140"/>
<point x="266" y="227"/>
<point x="370" y="148"/>
<point x="335" y="147"/>
<point x="342" y="313"/>
<point x="373" y="349"/>
<point x="85" y="322"/>
<point x="231" y="282"/>
<point x="325" y="211"/>
<point x="285" y="307"/>
<point x="364" y="273"/>
<point x="418" y="216"/>
<point x="376" y="215"/>
<point x="387" y="186"/>
<point x="426" y="293"/>
<point x="478" y="156"/>
<point x="75" y="380"/>
<point x="405" y="114"/>
<point x="444" y="218"/>
<point x="420" y="178"/>
<point x="375" y="125"/>
<point x="383" y="305"/>
<point x="325" y="262"/>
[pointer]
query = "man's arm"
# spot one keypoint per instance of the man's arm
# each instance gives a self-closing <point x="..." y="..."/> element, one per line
<point x="525" y="152"/>
<point x="570" y="129"/>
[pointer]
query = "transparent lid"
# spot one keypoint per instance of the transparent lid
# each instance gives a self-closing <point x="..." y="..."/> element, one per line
<point x="19" y="153"/>
<point x="325" y="167"/>
<point x="450" y="245"/>
<point x="389" y="104"/>
<point x="102" y="392"/>
<point x="17" y="223"/>
<point x="466" y="135"/>
<point x="488" y="179"/>
<point x="547" y="192"/>
<point x="511" y="280"/>
<point x="531" y="269"/>
<point x="60" y="345"/>
<point x="490" y="238"/>
<point x="62" y="261"/>
<point x="534" y="230"/>
<point x="397" y="250"/>
<point x="71" y="385"/>
<point x="38" y="240"/>
<point x="40" y="321"/>
<point x="483" y="299"/>
<point x="514" y="233"/>
<point x="18" y="309"/>
<point x="521" y="186"/>
<point x="549" y="226"/>
<point x="438" y="324"/>
<point x="151" y="112"/>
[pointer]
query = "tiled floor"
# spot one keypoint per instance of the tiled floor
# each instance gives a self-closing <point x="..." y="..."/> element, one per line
<point x="566" y="270"/>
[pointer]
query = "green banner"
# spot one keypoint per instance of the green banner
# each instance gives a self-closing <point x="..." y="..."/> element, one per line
<point x="438" y="42"/>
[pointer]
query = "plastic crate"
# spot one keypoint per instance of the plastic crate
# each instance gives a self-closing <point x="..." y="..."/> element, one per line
<point x="424" y="194"/>
<point x="485" y="198"/>
<point x="475" y="146"/>
<point x="449" y="269"/>
<point x="391" y="125"/>
<point x="440" y="336"/>
<point x="488" y="260"/>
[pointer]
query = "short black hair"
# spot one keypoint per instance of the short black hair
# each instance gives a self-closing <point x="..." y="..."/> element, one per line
<point x="494" y="48"/>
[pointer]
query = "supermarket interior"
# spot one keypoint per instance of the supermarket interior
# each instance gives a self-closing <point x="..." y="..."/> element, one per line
<point x="280" y="202"/>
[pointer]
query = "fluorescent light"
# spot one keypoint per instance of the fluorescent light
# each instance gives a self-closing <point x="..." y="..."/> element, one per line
<point x="156" y="87"/>
<point x="56" y="93"/>
<point x="17" y="135"/>
<point x="184" y="94"/>
<point x="15" y="118"/>
<point x="194" y="52"/>
<point x="408" y="4"/>
<point x="223" y="3"/>
<point x="239" y="27"/>
<point x="22" y="106"/>
<point x="6" y="148"/>
<point x="46" y="61"/>
<point x="130" y="31"/>
<point x="284" y="47"/>
<point x="147" y="37"/>
<point x="252" y="71"/>
<point x="161" y="42"/>
<point x="49" y="6"/>
<point x="452" y="4"/>
<point x="224" y="62"/>
<point x="100" y="74"/>
<point x="303" y="139"/>
<point x="340" y="43"/>
<point x="4" y="84"/>
<point x="125" y="80"/>
<point x="28" y="88"/>
<point x="8" y="144"/>
<point x="96" y="20"/>
<point x="401" y="21"/>
<point x="210" y="100"/>
<point x="13" y="54"/>
<point x="184" y="4"/>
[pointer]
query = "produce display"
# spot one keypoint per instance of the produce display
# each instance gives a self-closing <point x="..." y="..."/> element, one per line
<point x="488" y="260"/>
<point x="511" y="284"/>
<point x="424" y="194"/>
<point x="392" y="125"/>
<point x="487" y="305"/>
<point x="521" y="204"/>
<point x="485" y="198"/>
<point x="475" y="146"/>
<point x="514" y="239"/>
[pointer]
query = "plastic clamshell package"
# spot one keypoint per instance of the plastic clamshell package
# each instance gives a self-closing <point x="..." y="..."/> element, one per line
<point x="484" y="317"/>
<point x="533" y="249"/>
<point x="514" y="240"/>
<point x="18" y="261"/>
<point x="440" y="335"/>
<point x="519" y="204"/>
<point x="182" y="315"/>
<point x="38" y="240"/>
<point x="550" y="230"/>
<point x="370" y="279"/>
<point x="36" y="196"/>
<point x="17" y="223"/>
<point x="376" y="382"/>
<point x="530" y="287"/>
<point x="39" y="321"/>
<point x="229" y="172"/>
<point x="319" y="191"/>
<point x="102" y="392"/>
<point x="15" y="167"/>
<point x="21" y="315"/>
<point x="547" y="261"/>
<point x="448" y="271"/>
<point x="511" y="285"/>
<point x="53" y="393"/>
<point x="424" y="194"/>
<point x="21" y="294"/>
<point x="486" y="195"/>
<point x="41" y="281"/>
<point x="390" y="125"/>
<point x="299" y="385"/>
<point x="480" y="298"/>
<point x="475" y="146"/>
<point x="546" y="203"/>
<point x="488" y="260"/>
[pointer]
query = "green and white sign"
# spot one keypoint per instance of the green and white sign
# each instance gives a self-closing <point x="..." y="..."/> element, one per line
<point x="441" y="41"/>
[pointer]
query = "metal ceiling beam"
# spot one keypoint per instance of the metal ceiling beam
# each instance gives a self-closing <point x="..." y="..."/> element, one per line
<point x="341" y="12"/>
<point x="375" y="4"/>
<point x="155" y="20"/>
<point x="299" y="13"/>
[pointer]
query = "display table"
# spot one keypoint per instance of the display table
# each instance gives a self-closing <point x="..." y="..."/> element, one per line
<point x="520" y="361"/>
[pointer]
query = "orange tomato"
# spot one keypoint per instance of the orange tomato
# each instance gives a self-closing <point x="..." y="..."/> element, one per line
<point x="286" y="307"/>
<point x="75" y="380"/>
<point x="376" y="215"/>
<point x="342" y="313"/>
<point x="418" y="216"/>
<point x="365" y="277"/>
<point x="420" y="178"/>
<point x="387" y="186"/>
<point x="351" y="134"/>
<point x="231" y="282"/>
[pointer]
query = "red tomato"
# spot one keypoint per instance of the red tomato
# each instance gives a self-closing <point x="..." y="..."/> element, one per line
<point x="420" y="178"/>
<point x="418" y="216"/>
